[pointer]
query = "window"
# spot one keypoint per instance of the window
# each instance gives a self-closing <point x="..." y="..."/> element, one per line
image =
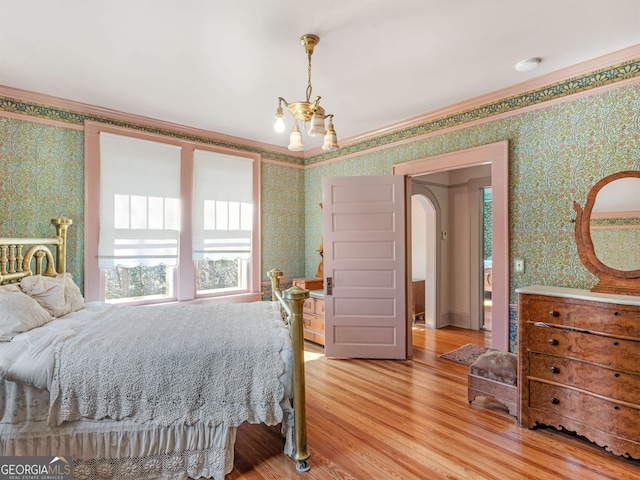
<point x="222" y="220"/>
<point x="171" y="220"/>
<point x="139" y="217"/>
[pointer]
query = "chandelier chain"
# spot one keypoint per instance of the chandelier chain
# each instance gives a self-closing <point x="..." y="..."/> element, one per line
<point x="309" y="77"/>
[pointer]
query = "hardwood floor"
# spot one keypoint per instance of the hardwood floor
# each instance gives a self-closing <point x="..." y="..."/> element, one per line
<point x="406" y="420"/>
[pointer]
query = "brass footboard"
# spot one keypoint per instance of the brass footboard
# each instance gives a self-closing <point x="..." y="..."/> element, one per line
<point x="292" y="301"/>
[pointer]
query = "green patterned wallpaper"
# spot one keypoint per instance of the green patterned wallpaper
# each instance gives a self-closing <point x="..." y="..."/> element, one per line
<point x="42" y="177"/>
<point x="282" y="220"/>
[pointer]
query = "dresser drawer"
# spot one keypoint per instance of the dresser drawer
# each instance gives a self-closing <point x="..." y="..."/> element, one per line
<point x="314" y="337"/>
<point x="613" y="319"/>
<point x="612" y="352"/>
<point x="309" y="305"/>
<point x="313" y="305"/>
<point x="616" y="384"/>
<point x="613" y="418"/>
<point x="314" y="323"/>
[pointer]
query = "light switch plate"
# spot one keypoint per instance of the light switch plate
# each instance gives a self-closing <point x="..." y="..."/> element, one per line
<point x="519" y="265"/>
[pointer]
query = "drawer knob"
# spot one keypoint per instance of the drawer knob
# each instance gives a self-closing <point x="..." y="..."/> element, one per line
<point x="553" y="341"/>
<point x="554" y="369"/>
<point x="616" y="344"/>
<point x="555" y="400"/>
<point x="554" y="313"/>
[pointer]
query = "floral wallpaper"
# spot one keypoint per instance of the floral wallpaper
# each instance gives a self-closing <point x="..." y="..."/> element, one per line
<point x="42" y="178"/>
<point x="282" y="220"/>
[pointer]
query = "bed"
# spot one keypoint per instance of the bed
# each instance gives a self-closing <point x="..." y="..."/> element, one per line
<point x="139" y="392"/>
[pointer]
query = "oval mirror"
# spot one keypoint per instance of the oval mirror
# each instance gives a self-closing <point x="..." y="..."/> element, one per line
<point x="615" y="224"/>
<point x="607" y="233"/>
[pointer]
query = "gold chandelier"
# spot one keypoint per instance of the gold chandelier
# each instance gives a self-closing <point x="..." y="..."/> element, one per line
<point x="307" y="112"/>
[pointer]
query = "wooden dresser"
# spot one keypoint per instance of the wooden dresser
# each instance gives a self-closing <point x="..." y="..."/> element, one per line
<point x="313" y="317"/>
<point x="418" y="299"/>
<point x="579" y="365"/>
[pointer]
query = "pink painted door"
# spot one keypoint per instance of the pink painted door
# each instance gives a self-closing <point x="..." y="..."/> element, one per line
<point x="364" y="266"/>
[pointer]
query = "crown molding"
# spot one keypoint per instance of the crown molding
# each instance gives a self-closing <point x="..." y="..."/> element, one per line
<point x="63" y="111"/>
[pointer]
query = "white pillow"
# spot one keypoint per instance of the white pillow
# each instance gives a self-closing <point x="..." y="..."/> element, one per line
<point x="10" y="287"/>
<point x="19" y="313"/>
<point x="58" y="295"/>
<point x="73" y="298"/>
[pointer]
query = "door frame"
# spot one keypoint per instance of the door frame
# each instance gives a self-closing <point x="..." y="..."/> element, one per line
<point x="476" y="293"/>
<point x="497" y="155"/>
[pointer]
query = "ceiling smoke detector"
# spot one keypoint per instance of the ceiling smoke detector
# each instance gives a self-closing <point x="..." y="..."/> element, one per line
<point x="529" y="64"/>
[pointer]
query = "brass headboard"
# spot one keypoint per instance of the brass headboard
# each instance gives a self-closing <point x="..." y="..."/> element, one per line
<point x="38" y="259"/>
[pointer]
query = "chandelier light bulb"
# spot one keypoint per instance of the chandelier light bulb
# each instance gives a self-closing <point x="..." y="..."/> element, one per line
<point x="279" y="125"/>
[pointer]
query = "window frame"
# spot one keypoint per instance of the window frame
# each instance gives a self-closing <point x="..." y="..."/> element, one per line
<point x="184" y="273"/>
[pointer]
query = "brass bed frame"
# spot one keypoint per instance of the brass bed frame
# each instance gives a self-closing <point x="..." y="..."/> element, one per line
<point x="38" y="260"/>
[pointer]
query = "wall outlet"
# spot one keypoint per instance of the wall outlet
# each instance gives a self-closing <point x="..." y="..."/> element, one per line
<point x="444" y="234"/>
<point x="519" y="265"/>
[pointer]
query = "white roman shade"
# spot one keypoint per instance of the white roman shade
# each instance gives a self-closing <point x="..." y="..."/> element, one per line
<point x="222" y="206"/>
<point x="139" y="202"/>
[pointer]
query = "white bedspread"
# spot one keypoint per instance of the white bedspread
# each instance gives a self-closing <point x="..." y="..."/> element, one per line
<point x="173" y="364"/>
<point x="28" y="358"/>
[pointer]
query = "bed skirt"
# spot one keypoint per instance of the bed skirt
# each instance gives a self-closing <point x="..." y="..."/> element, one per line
<point x="119" y="450"/>
<point x="125" y="450"/>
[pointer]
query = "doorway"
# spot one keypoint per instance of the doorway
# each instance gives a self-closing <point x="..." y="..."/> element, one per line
<point x="497" y="156"/>
<point x="487" y="266"/>
<point x="447" y="245"/>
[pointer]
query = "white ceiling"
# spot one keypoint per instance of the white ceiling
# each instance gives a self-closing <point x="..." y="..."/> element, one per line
<point x="221" y="65"/>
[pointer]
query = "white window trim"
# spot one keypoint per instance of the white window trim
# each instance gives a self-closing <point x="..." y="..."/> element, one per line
<point x="94" y="287"/>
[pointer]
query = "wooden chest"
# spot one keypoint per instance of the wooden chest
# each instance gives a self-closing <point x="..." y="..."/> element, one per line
<point x="579" y="365"/>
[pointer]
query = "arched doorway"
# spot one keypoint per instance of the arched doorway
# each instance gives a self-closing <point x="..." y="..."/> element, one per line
<point x="425" y="225"/>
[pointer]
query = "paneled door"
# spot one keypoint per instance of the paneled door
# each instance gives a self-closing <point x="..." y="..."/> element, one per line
<point x="364" y="266"/>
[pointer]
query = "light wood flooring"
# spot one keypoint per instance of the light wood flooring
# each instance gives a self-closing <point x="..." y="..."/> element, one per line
<point x="406" y="420"/>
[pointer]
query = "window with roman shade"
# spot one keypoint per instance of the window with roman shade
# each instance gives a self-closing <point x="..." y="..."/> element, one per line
<point x="223" y="206"/>
<point x="169" y="219"/>
<point x="139" y="202"/>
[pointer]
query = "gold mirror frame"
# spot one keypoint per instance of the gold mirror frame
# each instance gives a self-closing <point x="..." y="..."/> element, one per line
<point x="611" y="280"/>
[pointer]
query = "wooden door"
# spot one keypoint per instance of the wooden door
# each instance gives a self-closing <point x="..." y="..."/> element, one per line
<point x="364" y="266"/>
